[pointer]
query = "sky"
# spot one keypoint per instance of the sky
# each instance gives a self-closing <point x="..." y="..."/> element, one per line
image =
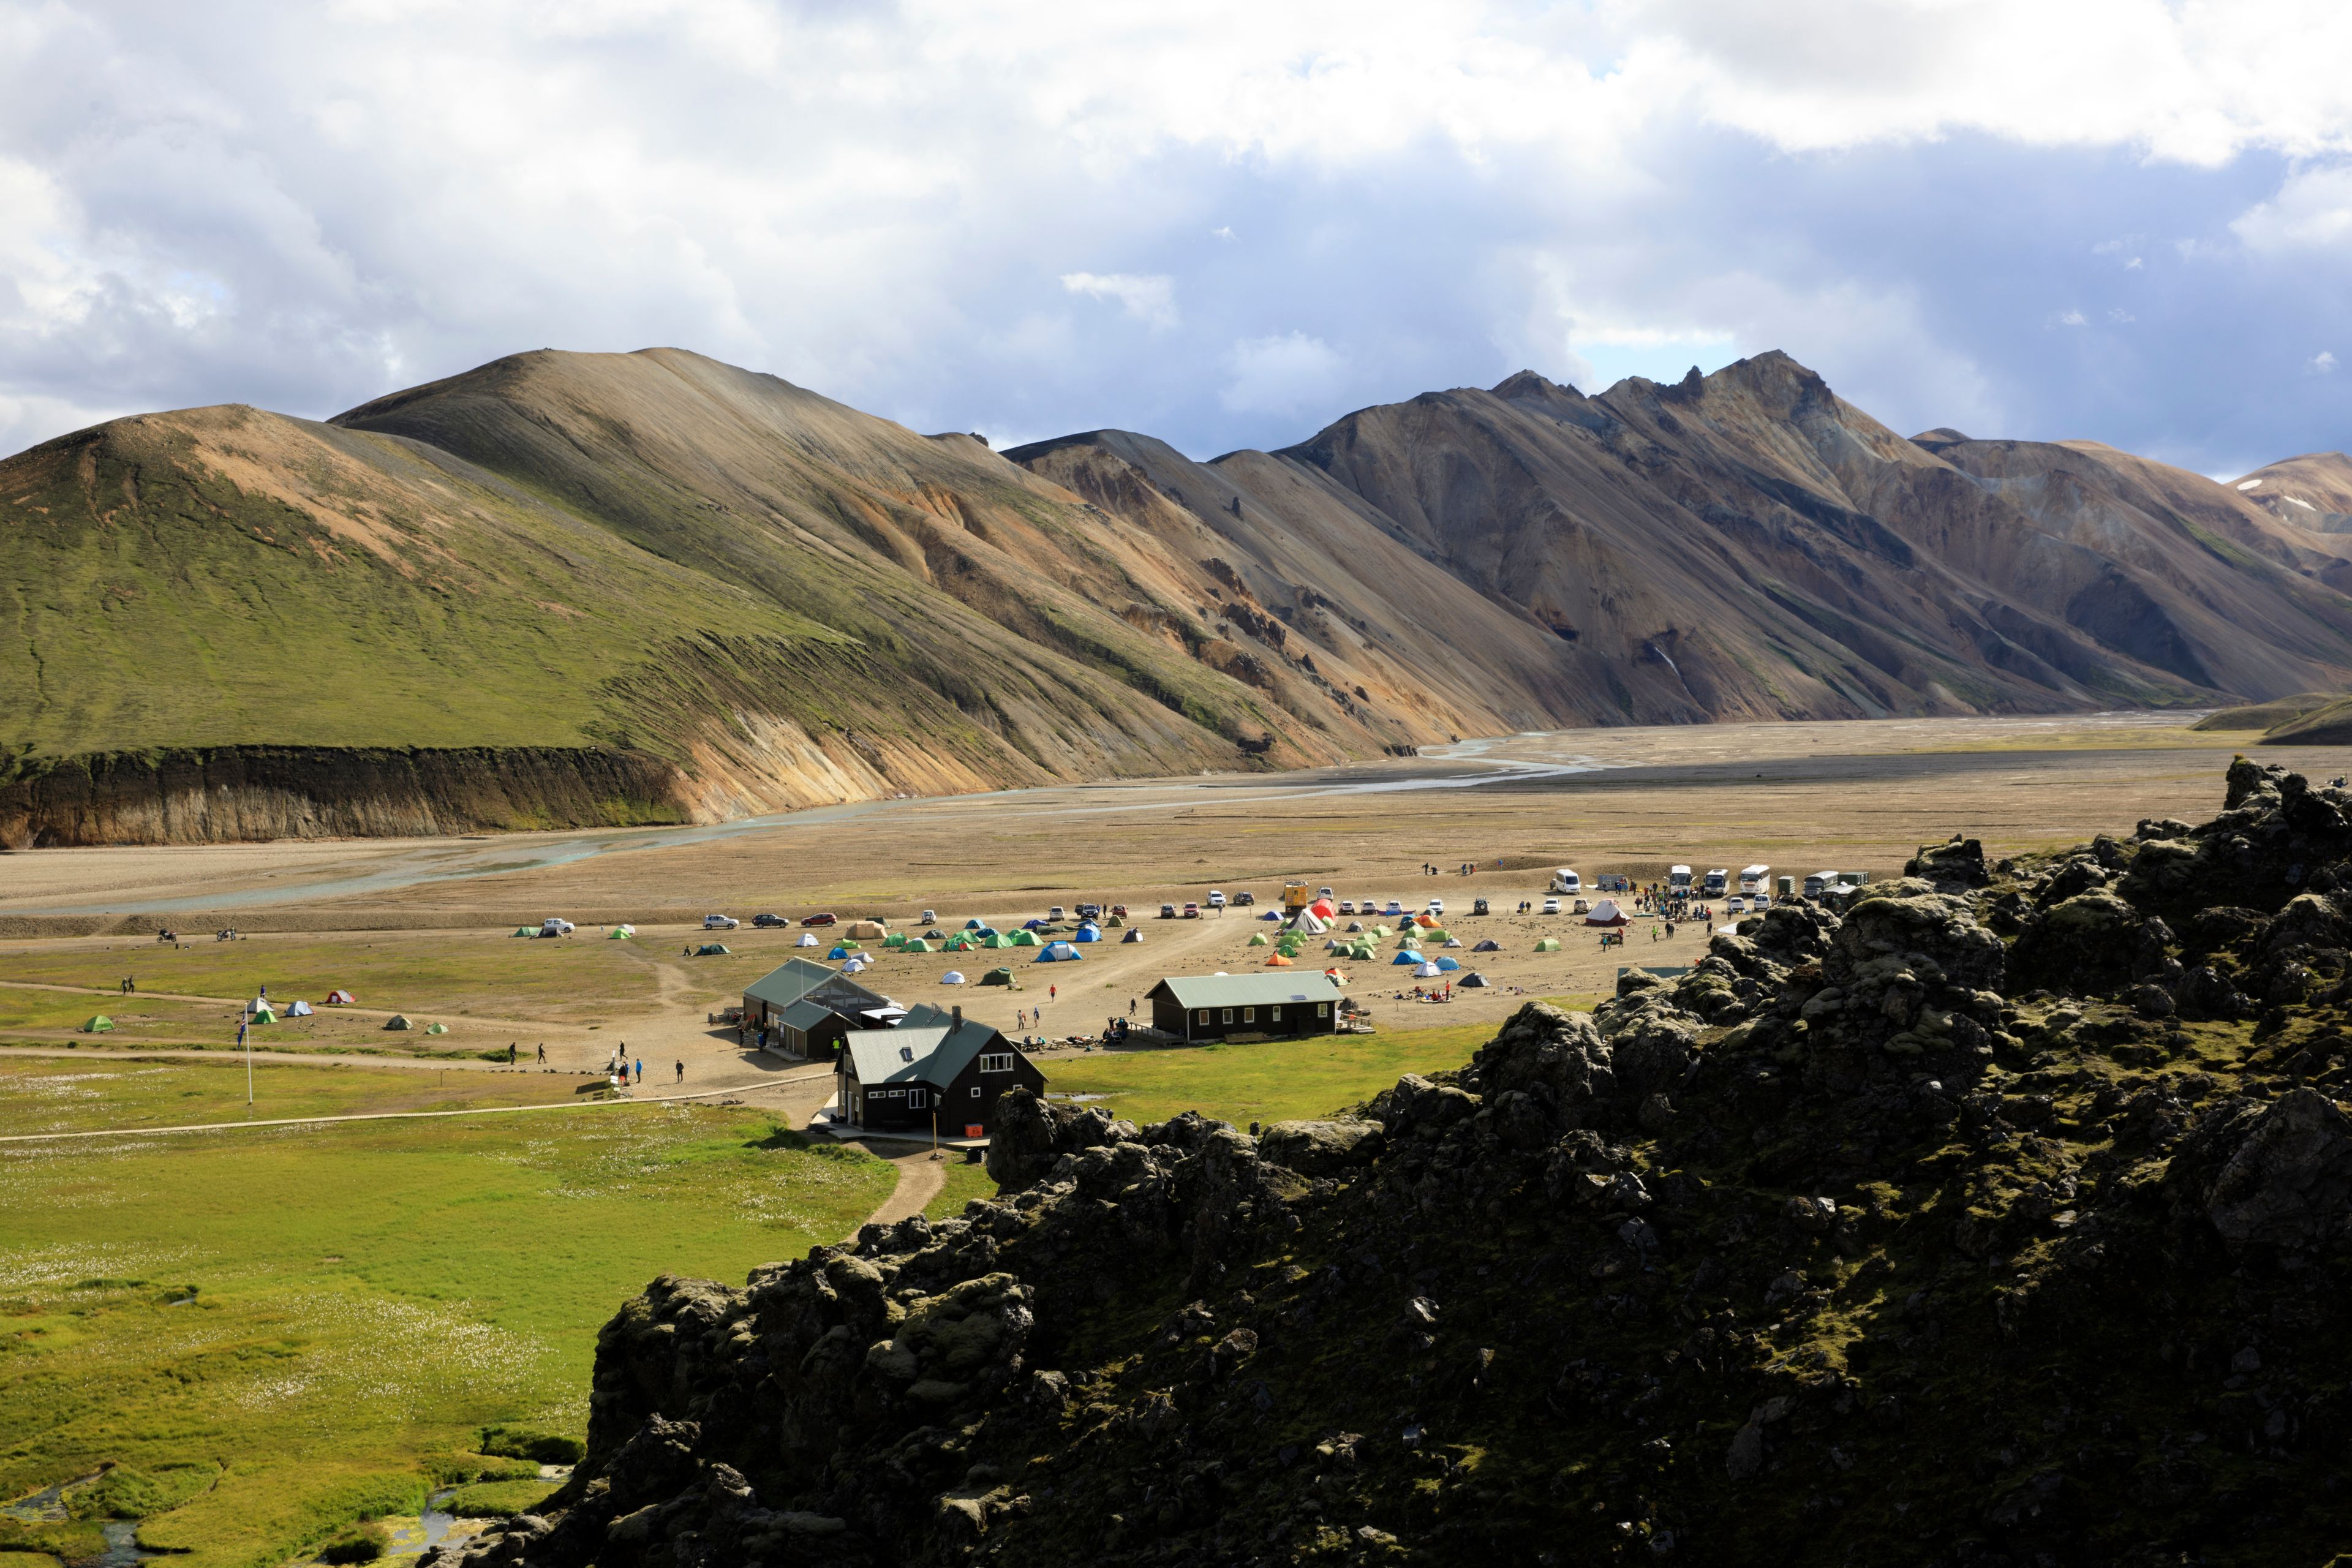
<point x="1225" y="223"/>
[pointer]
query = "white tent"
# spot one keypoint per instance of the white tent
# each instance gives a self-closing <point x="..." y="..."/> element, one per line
<point x="1427" y="971"/>
<point x="300" y="1010"/>
<point x="1605" y="913"/>
<point x="808" y="939"/>
<point x="952" y="977"/>
<point x="1307" y="923"/>
<point x="855" y="966"/>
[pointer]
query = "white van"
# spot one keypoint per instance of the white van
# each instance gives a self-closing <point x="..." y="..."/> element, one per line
<point x="556" y="925"/>
<point x="1679" y="879"/>
<point x="1564" y="881"/>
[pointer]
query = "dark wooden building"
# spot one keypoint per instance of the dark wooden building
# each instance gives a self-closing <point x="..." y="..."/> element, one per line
<point x="935" y="1069"/>
<point x="1281" y="1003"/>
<point x="803" y="1009"/>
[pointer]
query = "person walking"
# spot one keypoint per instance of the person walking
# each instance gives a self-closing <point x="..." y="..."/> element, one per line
<point x="1130" y="1006"/>
<point x="641" y="1070"/>
<point x="542" y="1052"/>
<point x="511" y="1047"/>
<point x="681" y="1072"/>
<point x="1052" y="993"/>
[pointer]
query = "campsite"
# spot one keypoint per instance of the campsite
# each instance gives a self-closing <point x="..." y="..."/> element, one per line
<point x="634" y="1181"/>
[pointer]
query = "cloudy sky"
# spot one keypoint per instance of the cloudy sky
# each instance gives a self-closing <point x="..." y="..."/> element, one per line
<point x="1225" y="222"/>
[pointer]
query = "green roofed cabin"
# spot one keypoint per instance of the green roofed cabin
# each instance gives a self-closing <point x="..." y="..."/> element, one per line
<point x="1216" y="1006"/>
<point x="936" y="1069"/>
<point x="803" y="1009"/>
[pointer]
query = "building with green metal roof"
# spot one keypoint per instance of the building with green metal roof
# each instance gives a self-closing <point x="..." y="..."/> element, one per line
<point x="1284" y="1004"/>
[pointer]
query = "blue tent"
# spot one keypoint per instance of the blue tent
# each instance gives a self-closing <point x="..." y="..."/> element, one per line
<point x="1058" y="953"/>
<point x="1033" y="925"/>
<point x="1449" y="963"/>
<point x="1088" y="932"/>
<point x="1406" y="957"/>
<point x="838" y="953"/>
<point x="1271" y="915"/>
<point x="974" y="925"/>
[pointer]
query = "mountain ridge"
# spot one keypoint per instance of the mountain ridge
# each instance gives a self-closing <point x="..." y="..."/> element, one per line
<point x="768" y="599"/>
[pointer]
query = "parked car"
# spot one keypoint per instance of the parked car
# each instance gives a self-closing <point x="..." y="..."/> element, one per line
<point x="1478" y="907"/>
<point x="1089" y="912"/>
<point x="553" y="925"/>
<point x="1394" y="908"/>
<point x="1245" y="899"/>
<point x="1551" y="906"/>
<point x="720" y="922"/>
<point x="826" y="919"/>
<point x="1437" y="906"/>
<point x="1055" y="913"/>
<point x="1191" y="912"/>
<point x="1347" y="906"/>
<point x="1167" y="911"/>
<point x="1119" y="910"/>
<point x="1216" y="900"/>
<point x="1737" y="905"/>
<point x="1322" y="892"/>
<point x="770" y="921"/>
<point x="930" y="917"/>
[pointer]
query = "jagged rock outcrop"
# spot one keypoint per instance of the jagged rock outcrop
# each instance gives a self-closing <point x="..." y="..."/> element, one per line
<point x="1859" y="1243"/>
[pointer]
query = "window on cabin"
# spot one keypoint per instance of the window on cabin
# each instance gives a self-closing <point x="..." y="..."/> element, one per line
<point x="1229" y="1014"/>
<point x="1273" y="1015"/>
<point x="1000" y="1063"/>
<point x="917" y="1098"/>
<point x="1323" y="1009"/>
<point x="976" y="1091"/>
<point x="1249" y="1014"/>
<point x="1202" y="1016"/>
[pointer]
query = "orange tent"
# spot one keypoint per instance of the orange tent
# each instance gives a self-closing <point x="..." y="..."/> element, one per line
<point x="1279" y="962"/>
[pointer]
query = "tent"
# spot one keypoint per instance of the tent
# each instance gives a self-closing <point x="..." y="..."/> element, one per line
<point x="1022" y="938"/>
<point x="1259" y="939"/>
<point x="1309" y="923"/>
<point x="1271" y="915"/>
<point x="338" y="998"/>
<point x="436" y="1028"/>
<point x="957" y="943"/>
<point x="997" y="977"/>
<point x="1116" y="919"/>
<point x="1473" y="981"/>
<point x="1058" y="953"/>
<point x="869" y="930"/>
<point x="262" y="1015"/>
<point x="1448" y="965"/>
<point x="1437" y="932"/>
<point x="1548" y="944"/>
<point x="1452" y="942"/>
<point x="994" y="939"/>
<point x="711" y="950"/>
<point x="1377" y="931"/>
<point x="855" y="966"/>
<point x="1279" y="962"/>
<point x="300" y="1010"/>
<point x="1408" y="942"/>
<point x="1321" y="909"/>
<point x="620" y="933"/>
<point x="1087" y="933"/>
<point x="1134" y="933"/>
<point x="1606" y="913"/>
<point x="896" y="939"/>
<point x="1355" y="925"/>
<point x="952" y="977"/>
<point x="100" y="1025"/>
<point x="1336" y="975"/>
<point x="1426" y="921"/>
<point x="838" y="953"/>
<point x="975" y="925"/>
<point x="1427" y="971"/>
<point x="1033" y="925"/>
<point x="808" y="939"/>
<point x="1489" y="945"/>
<point x="1407" y="957"/>
<point x="916" y="945"/>
<point x="524" y="930"/>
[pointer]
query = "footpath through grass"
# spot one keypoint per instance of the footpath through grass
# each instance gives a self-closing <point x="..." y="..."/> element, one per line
<point x="71" y="1094"/>
<point x="281" y="1329"/>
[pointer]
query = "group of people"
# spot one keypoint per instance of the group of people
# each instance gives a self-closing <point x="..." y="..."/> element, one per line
<point x="1428" y="993"/>
<point x="1467" y="868"/>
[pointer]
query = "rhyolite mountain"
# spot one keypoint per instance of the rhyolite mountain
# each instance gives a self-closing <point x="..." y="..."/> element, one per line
<point x="566" y="588"/>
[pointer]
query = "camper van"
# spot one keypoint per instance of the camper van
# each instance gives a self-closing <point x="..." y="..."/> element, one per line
<point x="1564" y="881"/>
<point x="1679" y="879"/>
<point x="1717" y="882"/>
<point x="1753" y="879"/>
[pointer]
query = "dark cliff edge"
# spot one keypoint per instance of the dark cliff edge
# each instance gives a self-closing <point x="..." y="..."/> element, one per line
<point x="1995" y="1215"/>
<point x="226" y="793"/>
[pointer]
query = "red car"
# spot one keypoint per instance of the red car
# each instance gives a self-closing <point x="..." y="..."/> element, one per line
<point x="826" y="919"/>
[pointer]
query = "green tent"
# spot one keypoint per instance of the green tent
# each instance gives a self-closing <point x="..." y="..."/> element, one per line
<point x="619" y="933"/>
<point x="711" y="950"/>
<point x="896" y="939"/>
<point x="1377" y="931"/>
<point x="1022" y="939"/>
<point x="524" y="930"/>
<point x="916" y="944"/>
<point x="397" y="1021"/>
<point x="264" y="1015"/>
<point x="101" y="1024"/>
<point x="1437" y="934"/>
<point x="1408" y="942"/>
<point x="1549" y="945"/>
<point x="436" y="1028"/>
<point x="995" y="939"/>
<point x="1259" y="940"/>
<point x="997" y="977"/>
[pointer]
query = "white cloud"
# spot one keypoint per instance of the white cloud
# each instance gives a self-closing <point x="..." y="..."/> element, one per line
<point x="2311" y="210"/>
<point x="1146" y="299"/>
<point x="1291" y="374"/>
<point x="2322" y="364"/>
<point x="2070" y="318"/>
<point x="2120" y="316"/>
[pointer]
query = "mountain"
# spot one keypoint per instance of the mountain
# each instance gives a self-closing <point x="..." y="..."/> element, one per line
<point x="564" y="589"/>
<point x="2313" y="491"/>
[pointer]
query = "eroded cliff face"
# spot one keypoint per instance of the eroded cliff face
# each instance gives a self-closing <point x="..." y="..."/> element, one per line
<point x="236" y="793"/>
<point x="1873" y="1238"/>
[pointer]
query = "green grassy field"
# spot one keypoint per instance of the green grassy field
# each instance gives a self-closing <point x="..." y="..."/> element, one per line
<point x="63" y="1095"/>
<point x="304" y="1325"/>
<point x="1276" y="1081"/>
